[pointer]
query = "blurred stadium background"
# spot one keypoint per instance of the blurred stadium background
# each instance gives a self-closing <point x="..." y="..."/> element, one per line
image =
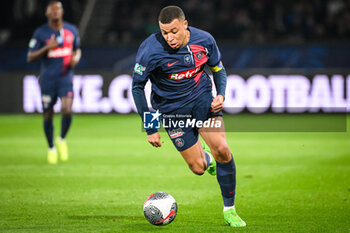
<point x="281" y="57"/>
<point x="306" y="39"/>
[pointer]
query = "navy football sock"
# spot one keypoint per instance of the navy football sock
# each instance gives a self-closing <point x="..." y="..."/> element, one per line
<point x="207" y="158"/>
<point x="226" y="176"/>
<point x="65" y="124"/>
<point x="48" y="129"/>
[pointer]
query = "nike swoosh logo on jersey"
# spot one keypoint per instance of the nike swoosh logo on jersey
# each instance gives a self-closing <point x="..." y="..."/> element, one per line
<point x="173" y="63"/>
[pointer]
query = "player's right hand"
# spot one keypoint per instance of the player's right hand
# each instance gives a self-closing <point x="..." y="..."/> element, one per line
<point x="52" y="43"/>
<point x="154" y="139"/>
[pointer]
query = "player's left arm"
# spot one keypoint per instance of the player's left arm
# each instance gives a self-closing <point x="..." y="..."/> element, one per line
<point x="76" y="55"/>
<point x="219" y="74"/>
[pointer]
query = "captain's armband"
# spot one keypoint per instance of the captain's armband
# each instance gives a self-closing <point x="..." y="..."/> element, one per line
<point x="216" y="68"/>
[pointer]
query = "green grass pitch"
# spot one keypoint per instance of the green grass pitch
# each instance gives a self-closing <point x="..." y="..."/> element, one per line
<point x="286" y="182"/>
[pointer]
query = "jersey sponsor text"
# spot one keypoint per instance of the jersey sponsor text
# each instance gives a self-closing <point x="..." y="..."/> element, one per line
<point x="185" y="74"/>
<point x="59" y="52"/>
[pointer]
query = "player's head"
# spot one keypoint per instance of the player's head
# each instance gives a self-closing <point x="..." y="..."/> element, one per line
<point x="54" y="10"/>
<point x="173" y="26"/>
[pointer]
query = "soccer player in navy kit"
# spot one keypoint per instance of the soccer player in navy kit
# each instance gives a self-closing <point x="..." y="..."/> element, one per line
<point x="173" y="60"/>
<point x="57" y="45"/>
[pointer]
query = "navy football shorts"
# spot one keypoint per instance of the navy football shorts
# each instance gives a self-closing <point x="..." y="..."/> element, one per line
<point x="50" y="91"/>
<point x="184" y="137"/>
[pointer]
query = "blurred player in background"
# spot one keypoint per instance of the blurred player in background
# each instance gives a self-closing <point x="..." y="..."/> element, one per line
<point x="57" y="45"/>
<point x="174" y="59"/>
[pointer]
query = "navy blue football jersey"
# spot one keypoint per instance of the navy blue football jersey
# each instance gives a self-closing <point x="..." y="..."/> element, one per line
<point x="56" y="63"/>
<point x="177" y="76"/>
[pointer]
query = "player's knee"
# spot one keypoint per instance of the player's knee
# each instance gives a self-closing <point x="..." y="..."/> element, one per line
<point x="198" y="171"/>
<point x="197" y="168"/>
<point x="48" y="115"/>
<point x="221" y="152"/>
<point x="48" y="118"/>
<point x="66" y="111"/>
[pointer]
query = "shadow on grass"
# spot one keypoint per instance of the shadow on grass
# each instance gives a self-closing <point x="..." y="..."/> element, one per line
<point x="126" y="223"/>
<point x="105" y="217"/>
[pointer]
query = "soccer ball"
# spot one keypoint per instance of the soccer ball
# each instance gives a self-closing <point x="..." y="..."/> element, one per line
<point x="160" y="208"/>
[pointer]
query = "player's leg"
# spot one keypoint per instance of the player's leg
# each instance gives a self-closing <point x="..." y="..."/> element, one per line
<point x="48" y="126"/>
<point x="211" y="169"/>
<point x="48" y="101"/>
<point x="195" y="158"/>
<point x="66" y="111"/>
<point x="186" y="141"/>
<point x="225" y="169"/>
<point x="66" y="94"/>
<point x="48" y="129"/>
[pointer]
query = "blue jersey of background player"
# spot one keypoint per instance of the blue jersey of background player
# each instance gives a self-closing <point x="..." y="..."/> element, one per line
<point x="173" y="60"/>
<point x="56" y="65"/>
<point x="57" y="44"/>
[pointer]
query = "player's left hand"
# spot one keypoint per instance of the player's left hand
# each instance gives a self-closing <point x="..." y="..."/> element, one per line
<point x="75" y="58"/>
<point x="217" y="104"/>
<point x="73" y="62"/>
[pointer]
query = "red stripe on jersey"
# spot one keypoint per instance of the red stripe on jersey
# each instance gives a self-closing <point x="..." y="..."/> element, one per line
<point x="67" y="43"/>
<point x="199" y="54"/>
<point x="198" y="77"/>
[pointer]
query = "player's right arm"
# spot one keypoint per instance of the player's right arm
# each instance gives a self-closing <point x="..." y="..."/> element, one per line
<point x="141" y="73"/>
<point x="37" y="50"/>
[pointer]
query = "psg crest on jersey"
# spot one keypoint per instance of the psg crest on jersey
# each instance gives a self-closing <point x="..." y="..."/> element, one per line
<point x="187" y="59"/>
<point x="199" y="55"/>
<point x="180" y="142"/>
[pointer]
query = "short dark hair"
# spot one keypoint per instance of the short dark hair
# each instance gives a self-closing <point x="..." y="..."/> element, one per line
<point x="52" y="2"/>
<point x="169" y="13"/>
